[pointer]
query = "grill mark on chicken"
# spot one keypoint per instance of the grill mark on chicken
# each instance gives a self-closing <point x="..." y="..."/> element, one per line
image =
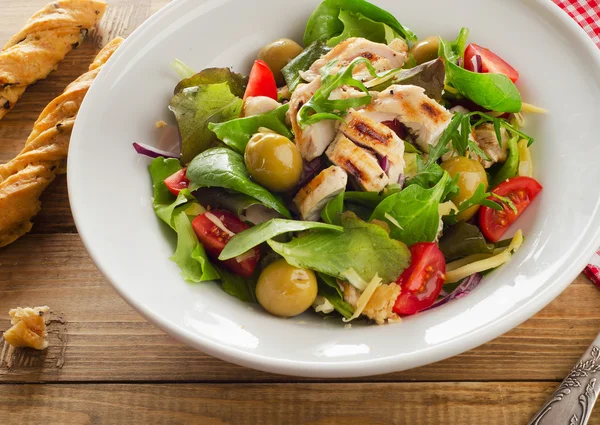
<point x="433" y="113"/>
<point x="351" y="168"/>
<point x="368" y="131"/>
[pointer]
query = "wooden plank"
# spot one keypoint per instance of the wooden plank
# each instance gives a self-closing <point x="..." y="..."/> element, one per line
<point x="491" y="403"/>
<point x="103" y="339"/>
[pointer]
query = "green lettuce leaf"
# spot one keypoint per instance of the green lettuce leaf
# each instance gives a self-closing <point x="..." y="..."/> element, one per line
<point x="362" y="246"/>
<point x="238" y="203"/>
<point x="237" y="132"/>
<point x="413" y="214"/>
<point x="291" y="72"/>
<point x="222" y="167"/>
<point x="325" y="22"/>
<point x="256" y="235"/>
<point x="197" y="106"/>
<point x="190" y="255"/>
<point x="333" y="209"/>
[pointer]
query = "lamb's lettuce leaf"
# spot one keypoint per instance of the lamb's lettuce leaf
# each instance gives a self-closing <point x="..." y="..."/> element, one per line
<point x="413" y="214"/>
<point x="254" y="236"/>
<point x="223" y="167"/>
<point x="333" y="209"/>
<point x="358" y="25"/>
<point x="326" y="21"/>
<point x="462" y="240"/>
<point x="237" y="132"/>
<point x="302" y="62"/>
<point x="366" y="248"/>
<point x="197" y="105"/>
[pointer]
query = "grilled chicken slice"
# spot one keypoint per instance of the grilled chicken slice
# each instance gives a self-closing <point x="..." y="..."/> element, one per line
<point x="311" y="199"/>
<point x="424" y="117"/>
<point x="380" y="305"/>
<point x="379" y="138"/>
<point x="381" y="56"/>
<point x="314" y="139"/>
<point x="256" y="105"/>
<point x="486" y="139"/>
<point x="358" y="163"/>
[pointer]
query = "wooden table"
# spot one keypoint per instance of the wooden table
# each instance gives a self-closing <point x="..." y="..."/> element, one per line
<point x="107" y="365"/>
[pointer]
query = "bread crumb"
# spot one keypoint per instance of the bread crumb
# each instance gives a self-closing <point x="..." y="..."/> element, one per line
<point x="29" y="327"/>
<point x="348" y="325"/>
<point x="160" y="124"/>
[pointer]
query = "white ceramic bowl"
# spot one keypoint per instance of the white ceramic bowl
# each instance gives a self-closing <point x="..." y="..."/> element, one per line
<point x="110" y="189"/>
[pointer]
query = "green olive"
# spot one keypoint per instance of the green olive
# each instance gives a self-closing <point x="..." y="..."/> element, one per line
<point x="285" y="290"/>
<point x="277" y="55"/>
<point x="471" y="175"/>
<point x="425" y="50"/>
<point x="273" y="161"/>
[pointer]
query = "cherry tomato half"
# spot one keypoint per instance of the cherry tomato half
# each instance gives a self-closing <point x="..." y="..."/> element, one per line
<point x="214" y="240"/>
<point x="177" y="181"/>
<point x="261" y="81"/>
<point x="421" y="283"/>
<point x="490" y="62"/>
<point x="521" y="191"/>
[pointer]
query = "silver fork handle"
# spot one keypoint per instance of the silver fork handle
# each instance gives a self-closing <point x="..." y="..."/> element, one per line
<point x="573" y="400"/>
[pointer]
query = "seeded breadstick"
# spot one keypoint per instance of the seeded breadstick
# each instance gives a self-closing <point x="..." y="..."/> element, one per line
<point x="23" y="179"/>
<point x="45" y="40"/>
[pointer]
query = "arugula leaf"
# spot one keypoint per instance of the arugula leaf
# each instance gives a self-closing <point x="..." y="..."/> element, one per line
<point x="195" y="107"/>
<point x="243" y="288"/>
<point x="429" y="176"/>
<point x="325" y="21"/>
<point x="462" y="240"/>
<point x="190" y="255"/>
<point x="363" y="247"/>
<point x="331" y="213"/>
<point x="329" y="289"/>
<point x="414" y="212"/>
<point x="441" y="147"/>
<point x="495" y="92"/>
<point x="161" y="168"/>
<point x="254" y="236"/>
<point x="222" y="167"/>
<point x="510" y="204"/>
<point x="320" y="107"/>
<point x="237" y="132"/>
<point x="500" y="123"/>
<point x="480" y="197"/>
<point x="302" y="62"/>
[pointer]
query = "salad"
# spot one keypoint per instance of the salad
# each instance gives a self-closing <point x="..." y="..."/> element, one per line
<point x="364" y="174"/>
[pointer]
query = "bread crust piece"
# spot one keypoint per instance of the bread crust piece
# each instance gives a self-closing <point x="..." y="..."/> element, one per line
<point x="35" y="51"/>
<point x="24" y="178"/>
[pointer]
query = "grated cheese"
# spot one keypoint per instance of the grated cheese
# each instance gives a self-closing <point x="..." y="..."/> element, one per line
<point x="525" y="164"/>
<point x="217" y="222"/>
<point x="365" y="297"/>
<point x="456" y="274"/>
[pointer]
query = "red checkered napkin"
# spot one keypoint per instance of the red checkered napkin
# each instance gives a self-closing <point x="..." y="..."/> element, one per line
<point x="587" y="14"/>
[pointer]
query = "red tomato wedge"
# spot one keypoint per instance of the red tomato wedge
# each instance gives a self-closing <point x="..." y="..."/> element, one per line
<point x="261" y="81"/>
<point x="521" y="191"/>
<point x="490" y="62"/>
<point x="421" y="283"/>
<point x="214" y="238"/>
<point x="177" y="181"/>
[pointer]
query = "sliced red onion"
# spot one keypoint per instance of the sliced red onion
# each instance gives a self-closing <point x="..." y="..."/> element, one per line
<point x="398" y="128"/>
<point x="384" y="163"/>
<point x="401" y="179"/>
<point x="309" y="170"/>
<point x="466" y="285"/>
<point x="459" y="62"/>
<point x="477" y="64"/>
<point x="152" y="152"/>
